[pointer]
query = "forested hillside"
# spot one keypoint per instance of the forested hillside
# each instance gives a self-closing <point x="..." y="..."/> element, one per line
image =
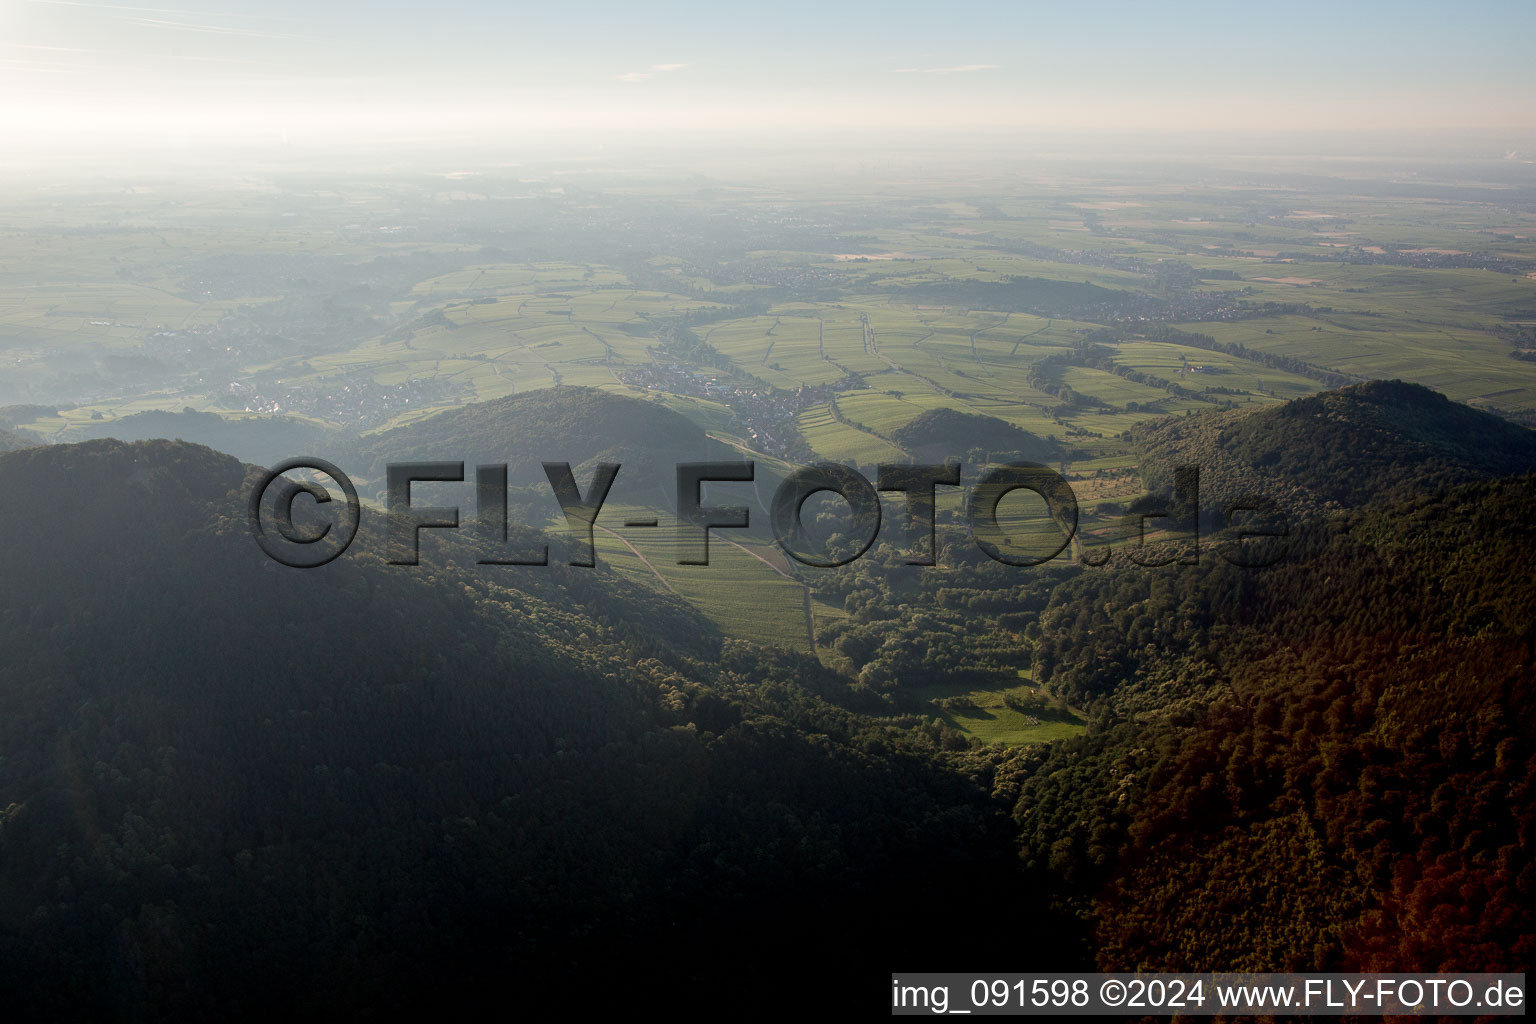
<point x="1328" y="765"/>
<point x="1338" y="449"/>
<point x="235" y="789"/>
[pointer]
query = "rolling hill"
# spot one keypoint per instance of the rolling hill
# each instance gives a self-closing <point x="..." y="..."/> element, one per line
<point x="1379" y="440"/>
<point x="579" y="425"/>
<point x="937" y="434"/>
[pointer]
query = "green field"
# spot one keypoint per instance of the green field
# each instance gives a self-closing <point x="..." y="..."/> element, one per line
<point x="988" y="716"/>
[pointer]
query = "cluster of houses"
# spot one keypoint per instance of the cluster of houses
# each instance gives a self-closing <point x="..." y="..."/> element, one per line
<point x="352" y="399"/>
<point x="766" y="414"/>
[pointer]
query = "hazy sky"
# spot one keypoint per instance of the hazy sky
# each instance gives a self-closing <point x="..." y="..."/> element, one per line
<point x="76" y="73"/>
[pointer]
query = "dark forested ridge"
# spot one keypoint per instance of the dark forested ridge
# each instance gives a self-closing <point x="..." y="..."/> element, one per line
<point x="1338" y="449"/>
<point x="232" y="788"/>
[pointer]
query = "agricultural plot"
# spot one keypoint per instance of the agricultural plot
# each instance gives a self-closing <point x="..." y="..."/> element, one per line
<point x="1179" y="363"/>
<point x="490" y="279"/>
<point x="741" y="590"/>
<point x="841" y="442"/>
<point x="885" y="412"/>
<point x="1027" y="414"/>
<point x="1465" y="365"/>
<point x="784" y="351"/>
<point x="1110" y="388"/>
<point x="56" y="319"/>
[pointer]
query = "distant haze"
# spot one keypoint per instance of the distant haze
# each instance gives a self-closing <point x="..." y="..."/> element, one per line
<point x="82" y="80"/>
